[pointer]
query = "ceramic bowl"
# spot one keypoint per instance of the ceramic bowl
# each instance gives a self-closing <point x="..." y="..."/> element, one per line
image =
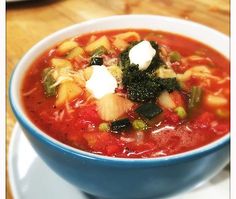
<point x="118" y="178"/>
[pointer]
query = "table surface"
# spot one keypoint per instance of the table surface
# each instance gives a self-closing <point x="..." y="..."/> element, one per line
<point x="30" y="21"/>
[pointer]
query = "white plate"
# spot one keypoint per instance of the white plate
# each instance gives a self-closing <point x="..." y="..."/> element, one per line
<point x="30" y="178"/>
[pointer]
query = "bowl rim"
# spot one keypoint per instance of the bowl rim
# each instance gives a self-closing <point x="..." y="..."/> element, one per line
<point x="26" y="123"/>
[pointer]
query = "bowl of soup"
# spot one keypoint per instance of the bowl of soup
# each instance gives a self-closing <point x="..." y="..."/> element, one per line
<point x="128" y="106"/>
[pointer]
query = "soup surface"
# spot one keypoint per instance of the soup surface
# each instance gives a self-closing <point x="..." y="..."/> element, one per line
<point x="130" y="93"/>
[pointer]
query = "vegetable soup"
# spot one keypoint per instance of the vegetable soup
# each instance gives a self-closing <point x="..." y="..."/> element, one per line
<point x="130" y="93"/>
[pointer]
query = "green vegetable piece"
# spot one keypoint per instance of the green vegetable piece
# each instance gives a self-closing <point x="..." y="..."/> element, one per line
<point x="149" y="110"/>
<point x="120" y="125"/>
<point x="99" y="51"/>
<point x="181" y="112"/>
<point x="195" y="97"/>
<point x="104" y="127"/>
<point x="175" y="56"/>
<point x="48" y="81"/>
<point x="139" y="124"/>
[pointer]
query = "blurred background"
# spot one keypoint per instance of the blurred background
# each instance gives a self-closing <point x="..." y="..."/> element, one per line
<point x="30" y="21"/>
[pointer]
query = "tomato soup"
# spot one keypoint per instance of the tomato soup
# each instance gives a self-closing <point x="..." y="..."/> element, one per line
<point x="130" y="93"/>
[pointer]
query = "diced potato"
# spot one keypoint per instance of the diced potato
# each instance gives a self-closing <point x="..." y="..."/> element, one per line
<point x="92" y="39"/>
<point x="67" y="91"/>
<point x="166" y="101"/>
<point x="48" y="80"/>
<point x="128" y="35"/>
<point x="213" y="100"/>
<point x="113" y="106"/>
<point x="88" y="73"/>
<point x="102" y="41"/>
<point x="76" y="52"/>
<point x="66" y="46"/>
<point x="60" y="63"/>
<point x="116" y="72"/>
<point x="120" y="44"/>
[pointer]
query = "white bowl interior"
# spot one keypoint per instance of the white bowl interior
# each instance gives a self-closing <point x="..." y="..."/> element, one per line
<point x="208" y="36"/>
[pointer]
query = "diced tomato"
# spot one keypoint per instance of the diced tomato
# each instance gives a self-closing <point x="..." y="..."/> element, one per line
<point x="221" y="129"/>
<point x="137" y="150"/>
<point x="120" y="90"/>
<point x="89" y="113"/>
<point x="103" y="142"/>
<point x="177" y="98"/>
<point x="171" y="117"/>
<point x="179" y="67"/>
<point x="113" y="149"/>
<point x="204" y="120"/>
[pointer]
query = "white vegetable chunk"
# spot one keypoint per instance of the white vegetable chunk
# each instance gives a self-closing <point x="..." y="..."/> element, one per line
<point x="166" y="101"/>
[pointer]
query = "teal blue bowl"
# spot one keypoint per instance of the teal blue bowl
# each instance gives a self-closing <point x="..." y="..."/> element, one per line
<point x="124" y="178"/>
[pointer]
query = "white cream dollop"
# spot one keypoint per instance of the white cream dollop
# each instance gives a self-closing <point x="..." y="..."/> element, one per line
<point x="101" y="82"/>
<point x="142" y="54"/>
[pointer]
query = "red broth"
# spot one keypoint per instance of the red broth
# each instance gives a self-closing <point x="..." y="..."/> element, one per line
<point x="76" y="122"/>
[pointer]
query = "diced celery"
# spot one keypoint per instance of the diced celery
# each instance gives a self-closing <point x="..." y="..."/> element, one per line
<point x="195" y="96"/>
<point x="181" y="112"/>
<point x="139" y="124"/>
<point x="48" y="81"/>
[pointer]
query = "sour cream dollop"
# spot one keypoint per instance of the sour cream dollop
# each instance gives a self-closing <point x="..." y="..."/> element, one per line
<point x="142" y="54"/>
<point x="101" y="82"/>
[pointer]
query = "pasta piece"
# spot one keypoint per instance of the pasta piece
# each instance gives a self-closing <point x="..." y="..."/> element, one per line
<point x="200" y="71"/>
<point x="213" y="100"/>
<point x="128" y="36"/>
<point x="120" y="44"/>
